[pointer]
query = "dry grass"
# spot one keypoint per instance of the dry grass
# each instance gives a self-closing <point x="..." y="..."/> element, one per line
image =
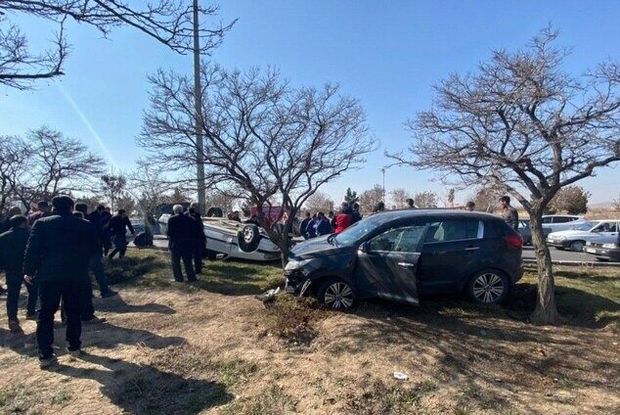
<point x="212" y="348"/>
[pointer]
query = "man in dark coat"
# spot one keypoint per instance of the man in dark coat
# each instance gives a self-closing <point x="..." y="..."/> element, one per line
<point x="12" y="248"/>
<point x="57" y="256"/>
<point x="182" y="243"/>
<point x="5" y="224"/>
<point x="96" y="266"/>
<point x="509" y="214"/>
<point x="118" y="229"/>
<point x="357" y="216"/>
<point x="322" y="225"/>
<point x="201" y="239"/>
<point x="304" y="225"/>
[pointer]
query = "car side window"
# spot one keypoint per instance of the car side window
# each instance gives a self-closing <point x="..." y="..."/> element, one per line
<point x="561" y="219"/>
<point x="547" y="220"/>
<point x="404" y="239"/>
<point x="454" y="230"/>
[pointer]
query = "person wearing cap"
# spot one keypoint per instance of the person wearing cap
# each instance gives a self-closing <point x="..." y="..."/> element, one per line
<point x="57" y="256"/>
<point x="12" y="248"/>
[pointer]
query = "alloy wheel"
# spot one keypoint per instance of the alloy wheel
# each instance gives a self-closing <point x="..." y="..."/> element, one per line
<point x="338" y="296"/>
<point x="488" y="287"/>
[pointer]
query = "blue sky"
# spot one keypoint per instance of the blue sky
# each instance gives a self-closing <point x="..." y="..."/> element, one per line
<point x="387" y="54"/>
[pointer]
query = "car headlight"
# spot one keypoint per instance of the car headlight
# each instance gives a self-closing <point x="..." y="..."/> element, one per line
<point x="610" y="246"/>
<point x="294" y="264"/>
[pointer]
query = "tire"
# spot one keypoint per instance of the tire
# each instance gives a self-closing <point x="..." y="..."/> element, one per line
<point x="577" y="246"/>
<point x="211" y="255"/>
<point x="601" y="259"/>
<point x="489" y="287"/>
<point x="140" y="240"/>
<point x="336" y="294"/>
<point x="249" y="238"/>
<point x="215" y="212"/>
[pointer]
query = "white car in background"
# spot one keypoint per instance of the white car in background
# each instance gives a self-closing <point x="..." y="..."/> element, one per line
<point x="576" y="239"/>
<point x="234" y="239"/>
<point x="556" y="223"/>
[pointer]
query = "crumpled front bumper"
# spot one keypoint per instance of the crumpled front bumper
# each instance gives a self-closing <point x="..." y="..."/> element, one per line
<point x="296" y="282"/>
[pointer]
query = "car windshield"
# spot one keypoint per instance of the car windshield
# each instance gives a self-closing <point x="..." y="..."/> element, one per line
<point x="357" y="231"/>
<point x="585" y="226"/>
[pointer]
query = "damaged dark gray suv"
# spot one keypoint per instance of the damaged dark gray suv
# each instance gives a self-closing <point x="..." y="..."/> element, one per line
<point x="397" y="255"/>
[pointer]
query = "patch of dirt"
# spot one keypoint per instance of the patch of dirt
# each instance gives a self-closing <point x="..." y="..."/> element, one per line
<point x="195" y="351"/>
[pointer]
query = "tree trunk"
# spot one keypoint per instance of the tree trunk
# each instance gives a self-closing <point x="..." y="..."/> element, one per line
<point x="546" y="310"/>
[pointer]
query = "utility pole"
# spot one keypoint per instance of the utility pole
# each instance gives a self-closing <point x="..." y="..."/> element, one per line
<point x="383" y="172"/>
<point x="200" y="160"/>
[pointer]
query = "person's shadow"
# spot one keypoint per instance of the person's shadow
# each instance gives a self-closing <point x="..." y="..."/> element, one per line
<point x="143" y="389"/>
<point x="118" y="305"/>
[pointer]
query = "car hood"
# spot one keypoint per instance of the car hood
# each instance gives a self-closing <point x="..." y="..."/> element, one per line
<point x="315" y="247"/>
<point x="570" y="233"/>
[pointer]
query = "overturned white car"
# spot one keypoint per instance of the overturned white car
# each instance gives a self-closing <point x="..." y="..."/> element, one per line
<point x="234" y="239"/>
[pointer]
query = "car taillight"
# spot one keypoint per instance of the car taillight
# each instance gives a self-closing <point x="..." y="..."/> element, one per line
<point x="514" y="240"/>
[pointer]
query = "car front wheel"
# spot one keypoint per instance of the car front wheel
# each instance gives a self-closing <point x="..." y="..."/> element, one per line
<point x="336" y="294"/>
<point x="488" y="287"/>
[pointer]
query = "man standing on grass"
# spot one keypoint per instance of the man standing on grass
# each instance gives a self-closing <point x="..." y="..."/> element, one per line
<point x="182" y="243"/>
<point x="95" y="264"/>
<point x="510" y="214"/>
<point x="12" y="248"/>
<point x="57" y="257"/>
<point x="201" y="239"/>
<point x="118" y="228"/>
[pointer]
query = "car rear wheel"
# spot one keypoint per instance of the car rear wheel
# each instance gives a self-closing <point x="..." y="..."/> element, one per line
<point x="577" y="246"/>
<point x="488" y="287"/>
<point x="336" y="294"/>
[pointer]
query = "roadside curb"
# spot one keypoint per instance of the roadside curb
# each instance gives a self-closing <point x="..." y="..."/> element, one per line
<point x="532" y="261"/>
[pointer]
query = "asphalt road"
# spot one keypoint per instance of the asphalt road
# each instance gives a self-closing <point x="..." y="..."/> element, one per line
<point x="559" y="255"/>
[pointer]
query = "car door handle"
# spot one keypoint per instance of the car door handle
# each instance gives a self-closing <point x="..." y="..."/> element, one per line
<point x="472" y="248"/>
<point x="406" y="264"/>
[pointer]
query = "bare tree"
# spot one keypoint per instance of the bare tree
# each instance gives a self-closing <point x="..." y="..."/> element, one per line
<point x="14" y="165"/>
<point x="368" y="199"/>
<point x="570" y="199"/>
<point x="113" y="188"/>
<point x="399" y="198"/>
<point x="487" y="197"/>
<point x="319" y="202"/>
<point x="426" y="199"/>
<point x="261" y="136"/>
<point x="522" y="123"/>
<point x="55" y="165"/>
<point x="168" y="22"/>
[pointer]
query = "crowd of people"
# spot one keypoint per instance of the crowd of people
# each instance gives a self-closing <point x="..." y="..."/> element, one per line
<point x="53" y="250"/>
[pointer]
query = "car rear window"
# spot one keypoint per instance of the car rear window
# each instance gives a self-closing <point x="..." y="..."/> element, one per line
<point x="496" y="229"/>
<point x="452" y="230"/>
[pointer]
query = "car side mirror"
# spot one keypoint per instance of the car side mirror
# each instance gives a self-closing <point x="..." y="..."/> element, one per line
<point x="364" y="247"/>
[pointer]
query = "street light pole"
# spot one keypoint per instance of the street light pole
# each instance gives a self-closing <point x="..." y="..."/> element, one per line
<point x="383" y="172"/>
<point x="200" y="161"/>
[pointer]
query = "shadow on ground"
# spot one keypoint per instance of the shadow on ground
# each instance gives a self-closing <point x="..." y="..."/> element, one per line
<point x="141" y="389"/>
<point x="230" y="277"/>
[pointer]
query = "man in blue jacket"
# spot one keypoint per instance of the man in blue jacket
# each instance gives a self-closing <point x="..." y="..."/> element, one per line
<point x="57" y="257"/>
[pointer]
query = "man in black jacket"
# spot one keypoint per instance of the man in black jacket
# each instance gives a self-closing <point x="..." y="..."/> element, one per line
<point x="118" y="228"/>
<point x="182" y="243"/>
<point x="201" y="239"/>
<point x="12" y="248"/>
<point x="96" y="266"/>
<point x="57" y="257"/>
